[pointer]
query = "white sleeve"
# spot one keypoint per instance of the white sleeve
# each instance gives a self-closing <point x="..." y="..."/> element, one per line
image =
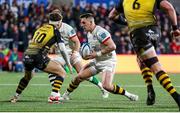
<point x="64" y="53"/>
<point x="70" y="31"/>
<point x="103" y="36"/>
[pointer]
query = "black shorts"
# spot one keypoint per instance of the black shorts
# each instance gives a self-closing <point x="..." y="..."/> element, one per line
<point x="35" y="61"/>
<point x="144" y="38"/>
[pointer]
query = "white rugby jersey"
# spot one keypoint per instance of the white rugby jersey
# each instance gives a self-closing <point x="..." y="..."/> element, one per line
<point x="96" y="40"/>
<point x="67" y="32"/>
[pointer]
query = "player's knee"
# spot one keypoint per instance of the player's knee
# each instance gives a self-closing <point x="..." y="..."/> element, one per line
<point x="61" y="72"/>
<point x="151" y="61"/>
<point x="89" y="79"/>
<point x="78" y="79"/>
<point x="156" y="68"/>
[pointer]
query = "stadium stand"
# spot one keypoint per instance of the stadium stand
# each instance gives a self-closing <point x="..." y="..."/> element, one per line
<point x="17" y="24"/>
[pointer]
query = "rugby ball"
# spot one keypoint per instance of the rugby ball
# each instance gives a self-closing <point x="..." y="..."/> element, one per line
<point x="85" y="50"/>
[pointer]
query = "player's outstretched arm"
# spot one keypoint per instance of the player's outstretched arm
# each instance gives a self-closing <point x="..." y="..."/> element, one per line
<point x="169" y="9"/>
<point x="62" y="48"/>
<point x="117" y="17"/>
<point x="65" y="55"/>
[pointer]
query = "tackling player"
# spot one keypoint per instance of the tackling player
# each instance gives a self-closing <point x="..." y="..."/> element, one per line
<point x="36" y="54"/>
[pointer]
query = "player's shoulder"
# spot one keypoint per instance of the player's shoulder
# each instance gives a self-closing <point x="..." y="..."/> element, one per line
<point x="100" y="30"/>
<point x="48" y="26"/>
<point x="66" y="26"/>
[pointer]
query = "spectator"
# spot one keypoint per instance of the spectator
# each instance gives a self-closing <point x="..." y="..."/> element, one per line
<point x="6" y="52"/>
<point x="175" y="47"/>
<point x="14" y="9"/>
<point x="19" y="23"/>
<point x="23" y="38"/>
<point x="13" y="58"/>
<point x="1" y="56"/>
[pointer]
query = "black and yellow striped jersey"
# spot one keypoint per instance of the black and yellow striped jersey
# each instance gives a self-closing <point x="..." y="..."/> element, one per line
<point x="139" y="13"/>
<point x="43" y="38"/>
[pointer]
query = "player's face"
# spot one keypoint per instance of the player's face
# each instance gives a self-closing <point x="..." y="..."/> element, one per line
<point x="59" y="24"/>
<point x="86" y="24"/>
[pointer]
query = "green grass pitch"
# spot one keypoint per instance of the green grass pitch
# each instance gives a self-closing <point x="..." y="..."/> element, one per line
<point x="87" y="98"/>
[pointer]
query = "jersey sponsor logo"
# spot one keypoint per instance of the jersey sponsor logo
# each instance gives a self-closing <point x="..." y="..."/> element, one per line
<point x="152" y="35"/>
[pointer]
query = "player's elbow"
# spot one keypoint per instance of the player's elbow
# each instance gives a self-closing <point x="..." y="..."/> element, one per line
<point x="167" y="6"/>
<point x="110" y="17"/>
<point x="113" y="47"/>
<point x="112" y="14"/>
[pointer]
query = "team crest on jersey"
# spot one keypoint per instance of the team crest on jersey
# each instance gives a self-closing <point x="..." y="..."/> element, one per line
<point x="103" y="36"/>
<point x="72" y="31"/>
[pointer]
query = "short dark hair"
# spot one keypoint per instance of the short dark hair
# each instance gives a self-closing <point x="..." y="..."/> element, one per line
<point x="55" y="15"/>
<point x="86" y="15"/>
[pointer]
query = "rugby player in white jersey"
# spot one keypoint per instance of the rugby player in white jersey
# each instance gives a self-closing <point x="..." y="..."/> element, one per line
<point x="72" y="45"/>
<point x="103" y="59"/>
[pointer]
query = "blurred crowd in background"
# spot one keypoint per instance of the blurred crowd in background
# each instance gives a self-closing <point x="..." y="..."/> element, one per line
<point x="18" y="23"/>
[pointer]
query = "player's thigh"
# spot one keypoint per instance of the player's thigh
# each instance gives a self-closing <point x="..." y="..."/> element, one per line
<point x="59" y="60"/>
<point x="144" y="38"/>
<point x="29" y="62"/>
<point x="75" y="58"/>
<point x="28" y="74"/>
<point x="86" y="72"/>
<point x="150" y="53"/>
<point x="78" y="66"/>
<point x="107" y="71"/>
<point x="107" y="77"/>
<point x="76" y="61"/>
<point x="54" y="68"/>
<point x="29" y="65"/>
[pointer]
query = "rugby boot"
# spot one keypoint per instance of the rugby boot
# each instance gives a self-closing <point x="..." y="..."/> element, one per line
<point x="151" y="95"/>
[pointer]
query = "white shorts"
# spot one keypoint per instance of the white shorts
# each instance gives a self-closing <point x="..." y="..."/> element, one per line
<point x="101" y="66"/>
<point x="76" y="59"/>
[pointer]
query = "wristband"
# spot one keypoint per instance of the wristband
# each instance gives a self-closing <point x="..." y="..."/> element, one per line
<point x="174" y="27"/>
<point x="99" y="53"/>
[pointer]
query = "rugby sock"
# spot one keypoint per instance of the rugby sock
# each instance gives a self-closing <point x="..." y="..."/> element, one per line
<point x="118" y="90"/>
<point x="95" y="81"/>
<point x="72" y="87"/>
<point x="57" y="84"/>
<point x="147" y="75"/>
<point x="165" y="81"/>
<point x="22" y="85"/>
<point x="51" y="78"/>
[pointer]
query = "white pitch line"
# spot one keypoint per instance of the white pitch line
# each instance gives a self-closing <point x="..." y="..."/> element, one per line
<point x="85" y="85"/>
